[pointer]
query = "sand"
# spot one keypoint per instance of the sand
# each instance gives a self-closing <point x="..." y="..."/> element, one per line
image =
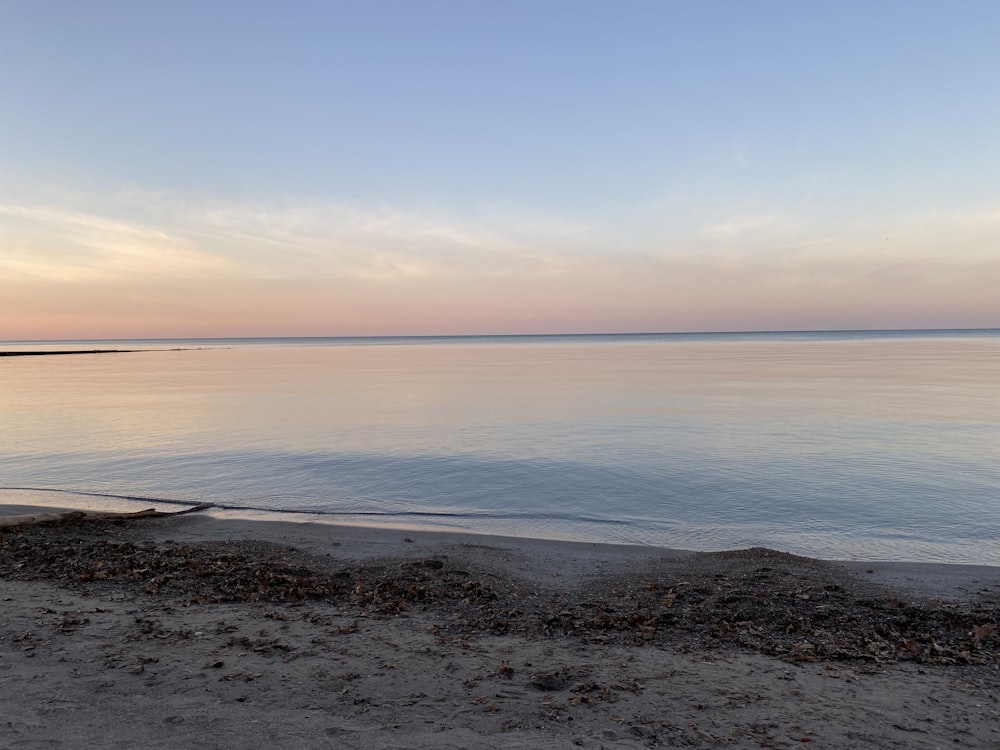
<point x="215" y="632"/>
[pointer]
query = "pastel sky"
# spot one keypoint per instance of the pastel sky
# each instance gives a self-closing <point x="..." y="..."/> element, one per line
<point x="245" y="168"/>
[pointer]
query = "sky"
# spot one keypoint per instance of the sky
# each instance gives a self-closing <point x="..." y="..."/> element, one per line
<point x="324" y="168"/>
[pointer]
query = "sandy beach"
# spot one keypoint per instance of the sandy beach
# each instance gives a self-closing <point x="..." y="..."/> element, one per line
<point x="212" y="632"/>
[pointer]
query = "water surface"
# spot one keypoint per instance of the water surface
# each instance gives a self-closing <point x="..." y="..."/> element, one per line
<point x="872" y="445"/>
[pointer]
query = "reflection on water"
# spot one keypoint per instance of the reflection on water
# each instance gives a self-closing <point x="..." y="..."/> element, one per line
<point x="841" y="447"/>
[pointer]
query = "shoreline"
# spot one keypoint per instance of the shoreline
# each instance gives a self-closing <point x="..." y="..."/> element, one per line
<point x="31" y="499"/>
<point x="204" y="632"/>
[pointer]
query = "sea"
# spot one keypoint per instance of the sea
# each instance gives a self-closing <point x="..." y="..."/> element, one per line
<point x="857" y="445"/>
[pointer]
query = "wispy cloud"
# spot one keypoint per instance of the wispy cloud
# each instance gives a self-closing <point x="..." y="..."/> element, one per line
<point x="322" y="266"/>
<point x="76" y="247"/>
<point x="141" y="233"/>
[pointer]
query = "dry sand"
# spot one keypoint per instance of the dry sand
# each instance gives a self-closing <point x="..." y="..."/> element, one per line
<point x="208" y="632"/>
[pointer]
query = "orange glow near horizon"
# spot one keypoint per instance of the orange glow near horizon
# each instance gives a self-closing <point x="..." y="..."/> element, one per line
<point x="410" y="276"/>
<point x="574" y="304"/>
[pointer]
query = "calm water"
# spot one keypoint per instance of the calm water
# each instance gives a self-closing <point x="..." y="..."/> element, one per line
<point x="843" y="445"/>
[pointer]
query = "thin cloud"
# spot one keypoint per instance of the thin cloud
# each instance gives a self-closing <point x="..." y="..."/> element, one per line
<point x="75" y="247"/>
<point x="190" y="266"/>
<point x="293" y="241"/>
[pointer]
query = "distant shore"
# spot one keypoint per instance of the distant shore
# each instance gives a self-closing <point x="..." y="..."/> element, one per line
<point x="206" y="631"/>
<point x="77" y="351"/>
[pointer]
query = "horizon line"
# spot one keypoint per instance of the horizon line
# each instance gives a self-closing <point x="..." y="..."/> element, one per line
<point x="512" y="335"/>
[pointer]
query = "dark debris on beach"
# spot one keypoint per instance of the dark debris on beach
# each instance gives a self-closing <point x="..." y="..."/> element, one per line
<point x="793" y="608"/>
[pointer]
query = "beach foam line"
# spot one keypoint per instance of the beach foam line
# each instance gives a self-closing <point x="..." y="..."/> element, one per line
<point x="308" y="515"/>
